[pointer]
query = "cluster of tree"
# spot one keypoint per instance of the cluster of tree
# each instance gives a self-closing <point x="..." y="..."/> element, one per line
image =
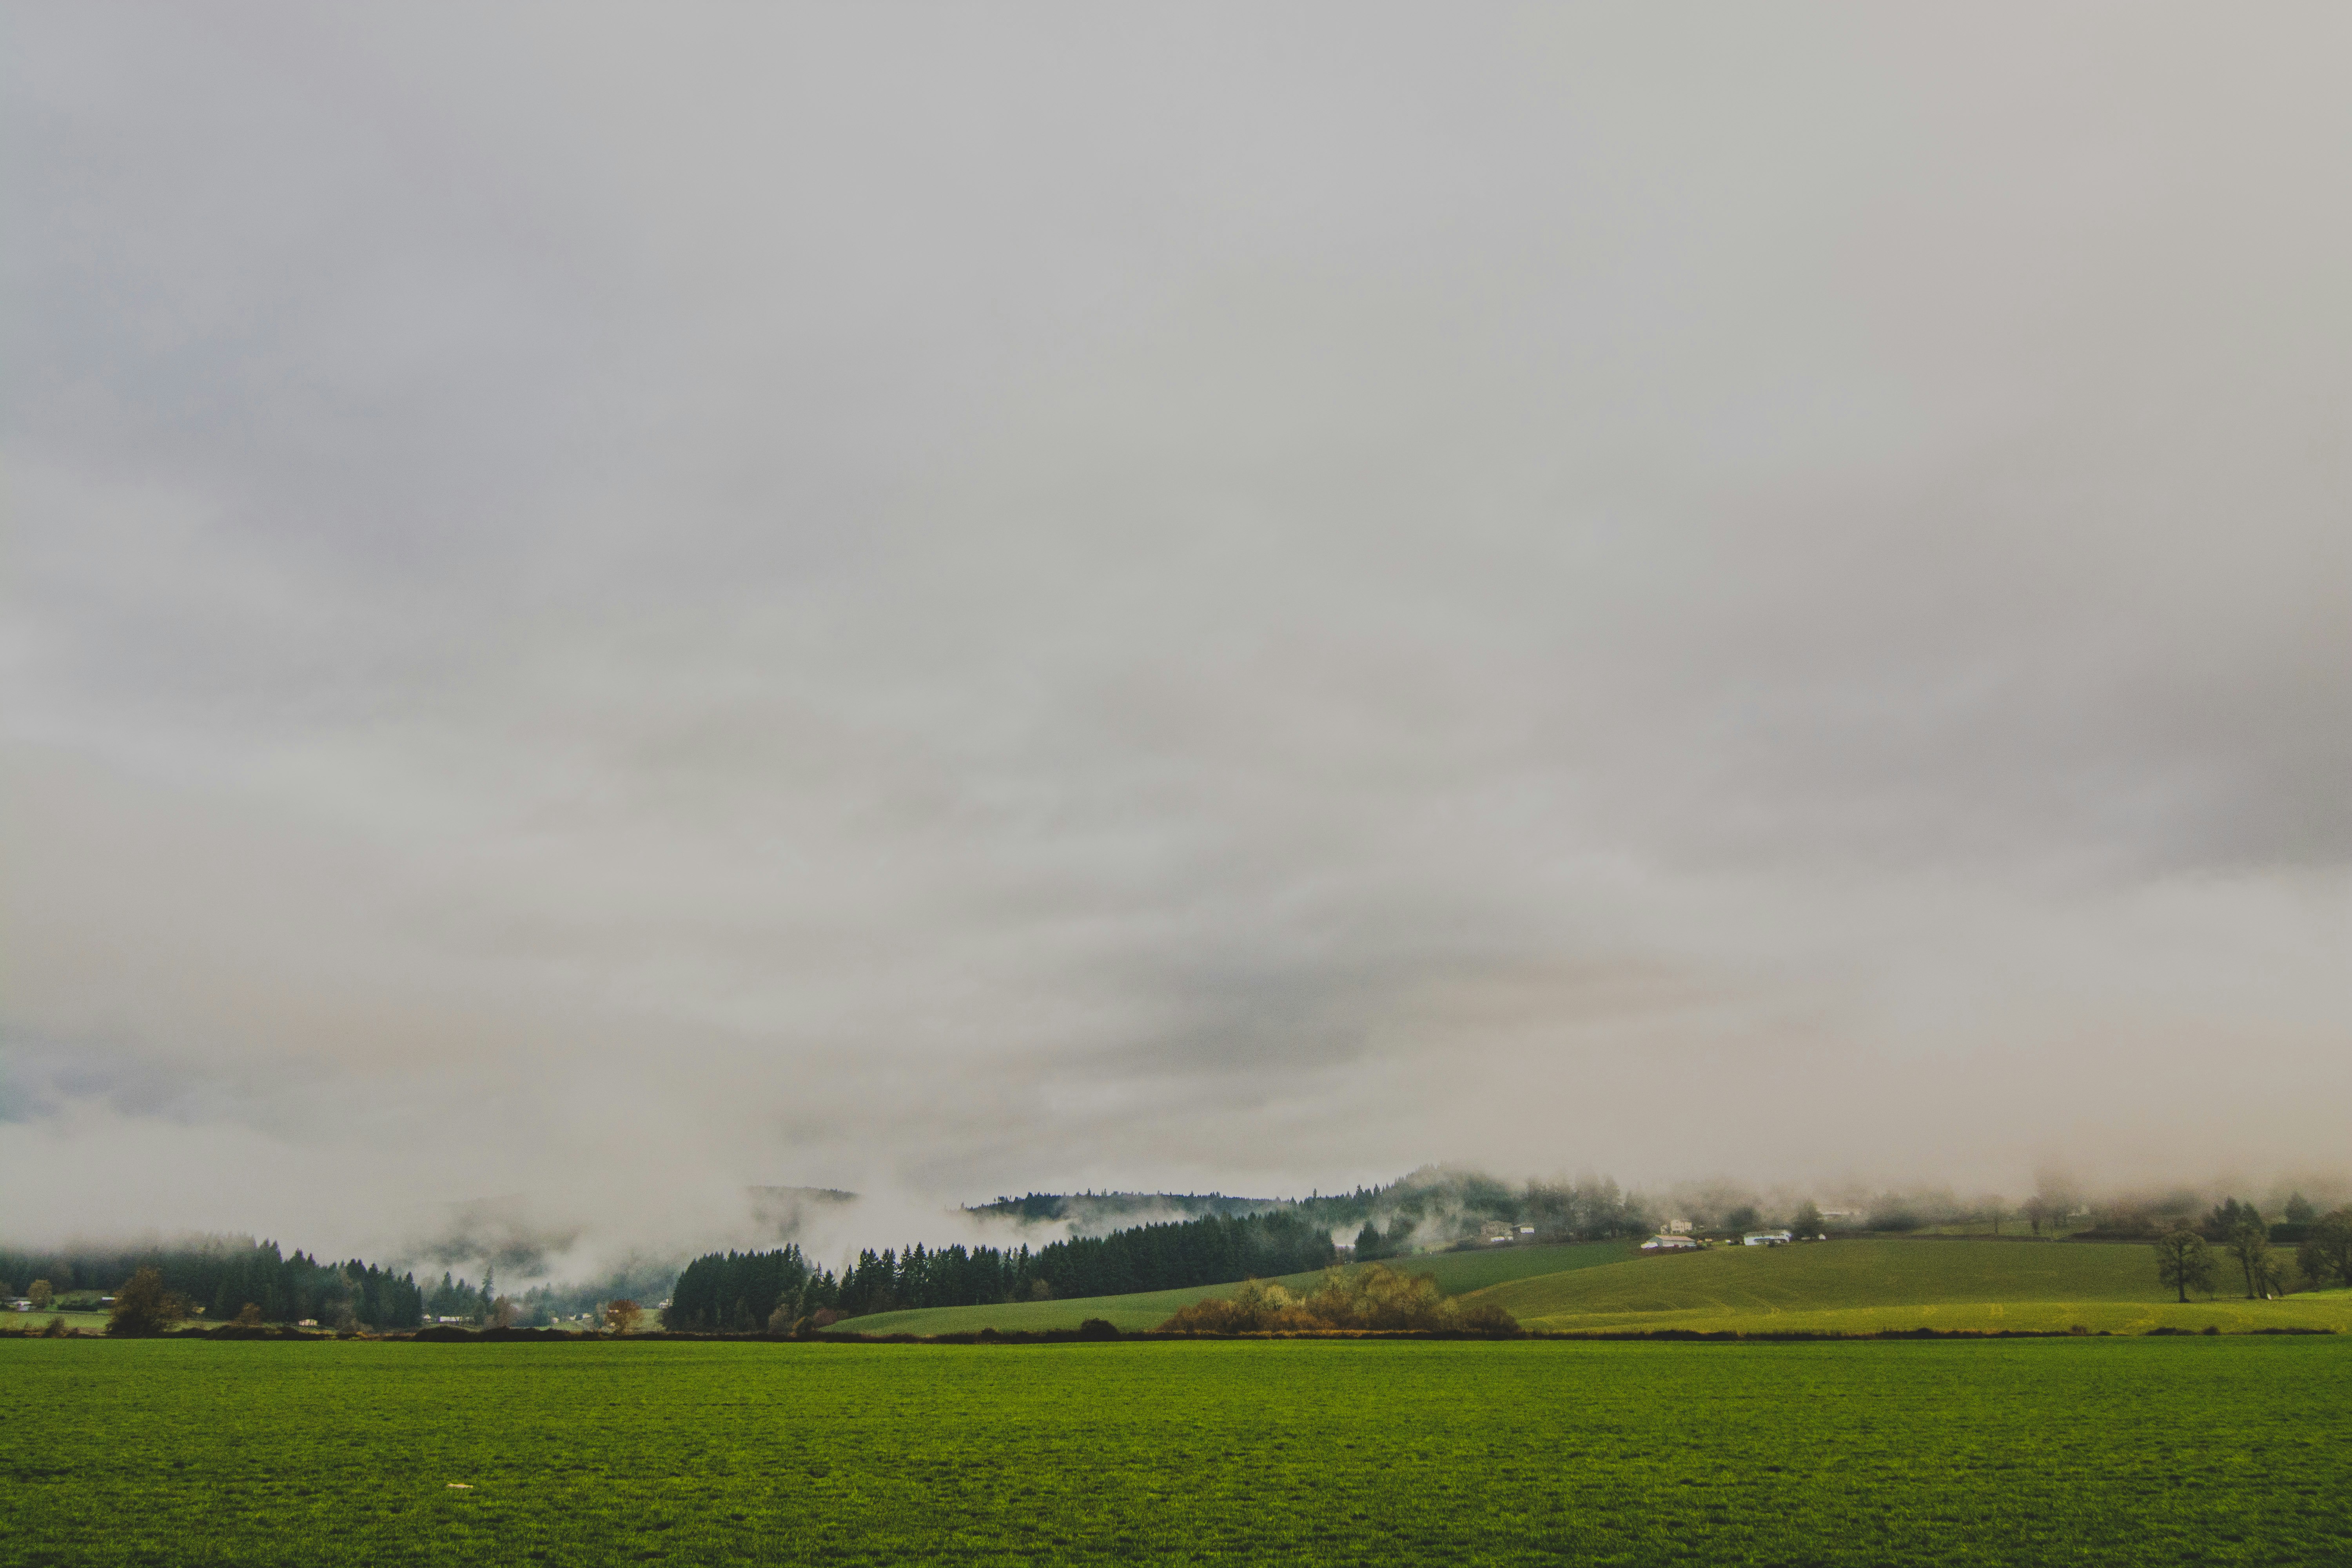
<point x="745" y="1291"/>
<point x="219" y="1278"/>
<point x="1593" y="1209"/>
<point x="2186" y="1260"/>
<point x="1378" y="1297"/>
<point x="2230" y="1216"/>
<point x="464" y="1300"/>
<point x="1433" y="1209"/>
<point x="741" y="1291"/>
<point x="2150" y="1215"/>
<point x="2325" y="1253"/>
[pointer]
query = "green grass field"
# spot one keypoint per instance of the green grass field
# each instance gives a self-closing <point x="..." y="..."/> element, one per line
<point x="1860" y="1287"/>
<point x="1456" y="1272"/>
<point x="2226" y="1450"/>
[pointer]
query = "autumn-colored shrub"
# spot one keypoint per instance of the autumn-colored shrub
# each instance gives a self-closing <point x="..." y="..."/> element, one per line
<point x="1375" y="1297"/>
<point x="141" y="1306"/>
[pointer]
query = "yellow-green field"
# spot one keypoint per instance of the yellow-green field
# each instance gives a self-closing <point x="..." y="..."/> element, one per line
<point x="1456" y="1272"/>
<point x="1867" y="1287"/>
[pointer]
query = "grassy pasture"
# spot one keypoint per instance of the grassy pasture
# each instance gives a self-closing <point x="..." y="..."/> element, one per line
<point x="1457" y="1273"/>
<point x="2091" y="1451"/>
<point x="2331" y="1312"/>
<point x="1865" y="1285"/>
<point x="1753" y="1280"/>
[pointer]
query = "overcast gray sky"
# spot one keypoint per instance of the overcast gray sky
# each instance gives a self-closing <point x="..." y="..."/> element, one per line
<point x="625" y="601"/>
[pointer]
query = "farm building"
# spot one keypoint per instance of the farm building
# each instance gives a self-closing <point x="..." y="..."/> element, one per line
<point x="1765" y="1238"/>
<point x="1670" y="1244"/>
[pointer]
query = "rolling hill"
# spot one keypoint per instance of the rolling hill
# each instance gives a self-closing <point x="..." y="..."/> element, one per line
<point x="1859" y="1287"/>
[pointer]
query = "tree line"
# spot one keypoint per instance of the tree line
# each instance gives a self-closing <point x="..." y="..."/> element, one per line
<point x="741" y="1291"/>
<point x="2186" y="1258"/>
<point x="222" y="1278"/>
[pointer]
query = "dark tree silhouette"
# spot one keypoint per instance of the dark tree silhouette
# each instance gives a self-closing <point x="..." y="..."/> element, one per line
<point x="141" y="1306"/>
<point x="2182" y="1260"/>
<point x="2326" y="1254"/>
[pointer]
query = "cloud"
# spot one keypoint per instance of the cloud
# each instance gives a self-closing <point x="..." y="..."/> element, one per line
<point x="667" y="604"/>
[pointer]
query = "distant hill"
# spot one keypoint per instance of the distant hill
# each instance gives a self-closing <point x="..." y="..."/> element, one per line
<point x="1432" y="1208"/>
<point x="1092" y="1213"/>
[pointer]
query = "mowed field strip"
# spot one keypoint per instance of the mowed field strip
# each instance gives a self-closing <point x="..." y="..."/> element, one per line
<point x="1456" y="1272"/>
<point x="2220" y="1450"/>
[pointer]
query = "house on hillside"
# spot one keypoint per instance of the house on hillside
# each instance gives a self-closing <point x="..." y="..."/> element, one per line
<point x="1676" y="1227"/>
<point x="1670" y="1244"/>
<point x="1767" y="1238"/>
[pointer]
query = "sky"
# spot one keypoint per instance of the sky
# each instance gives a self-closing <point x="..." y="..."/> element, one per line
<point x="604" y="604"/>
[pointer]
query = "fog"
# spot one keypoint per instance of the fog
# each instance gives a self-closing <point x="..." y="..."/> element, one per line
<point x="608" y="607"/>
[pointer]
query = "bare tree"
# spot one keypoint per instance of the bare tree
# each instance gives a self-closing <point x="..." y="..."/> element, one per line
<point x="2249" y="1243"/>
<point x="2182" y="1259"/>
<point x="620" y="1317"/>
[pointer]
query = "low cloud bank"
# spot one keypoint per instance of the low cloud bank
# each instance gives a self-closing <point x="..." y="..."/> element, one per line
<point x="559" y="1241"/>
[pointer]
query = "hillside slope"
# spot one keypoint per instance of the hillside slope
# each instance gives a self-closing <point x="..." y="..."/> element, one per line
<point x="1457" y="1273"/>
<point x="1866" y="1286"/>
